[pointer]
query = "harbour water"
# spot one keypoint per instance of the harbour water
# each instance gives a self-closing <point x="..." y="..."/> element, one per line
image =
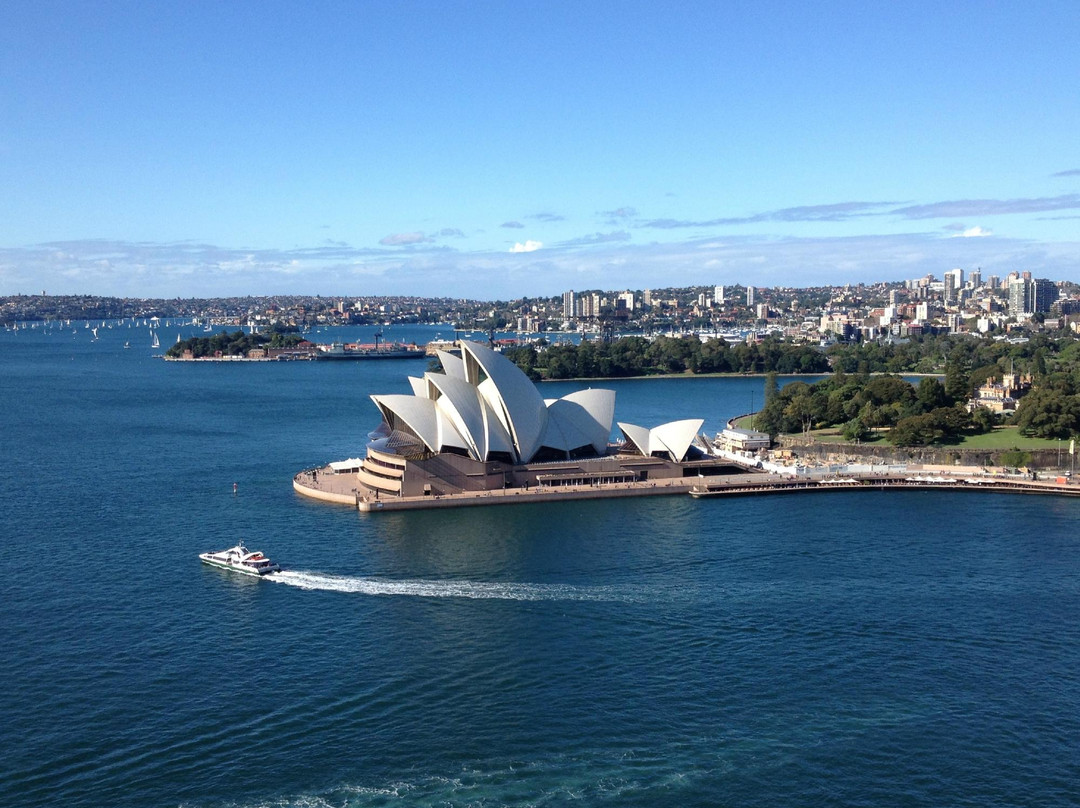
<point x="916" y="649"/>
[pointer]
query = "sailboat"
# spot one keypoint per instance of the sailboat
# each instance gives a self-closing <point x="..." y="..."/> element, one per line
<point x="155" y="343"/>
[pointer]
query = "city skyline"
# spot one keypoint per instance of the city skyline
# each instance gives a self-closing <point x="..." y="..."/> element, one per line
<point x="492" y="152"/>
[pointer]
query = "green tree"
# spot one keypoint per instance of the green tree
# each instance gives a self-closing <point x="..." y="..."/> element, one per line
<point x="918" y="430"/>
<point x="772" y="387"/>
<point x="957" y="381"/>
<point x="982" y="420"/>
<point x="1014" y="457"/>
<point x="855" y="431"/>
<point x="1048" y="413"/>
<point x="931" y="394"/>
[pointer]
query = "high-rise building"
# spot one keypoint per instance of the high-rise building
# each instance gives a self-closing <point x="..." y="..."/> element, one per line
<point x="568" y="305"/>
<point x="718" y="295"/>
<point x="954" y="282"/>
<point x="646" y="297"/>
<point x="626" y="301"/>
<point x="590" y="305"/>
<point x="1043" y="294"/>
<point x="975" y="279"/>
<point x="1019" y="296"/>
<point x="749" y="296"/>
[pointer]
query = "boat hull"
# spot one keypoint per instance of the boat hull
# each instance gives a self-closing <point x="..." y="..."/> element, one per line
<point x="239" y="568"/>
<point x="355" y="355"/>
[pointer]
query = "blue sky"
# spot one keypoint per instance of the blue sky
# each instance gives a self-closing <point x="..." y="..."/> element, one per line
<point x="504" y="149"/>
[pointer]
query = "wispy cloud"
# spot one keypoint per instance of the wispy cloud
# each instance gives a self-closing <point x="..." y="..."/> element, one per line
<point x="974" y="208"/>
<point x="526" y="247"/>
<point x="1072" y="172"/>
<point x="620" y="217"/>
<point x="605" y="260"/>
<point x="596" y="238"/>
<point x="846" y="211"/>
<point x="836" y="212"/>
<point x="451" y="232"/>
<point x="513" y="225"/>
<point x="405" y="239"/>
<point x="547" y="217"/>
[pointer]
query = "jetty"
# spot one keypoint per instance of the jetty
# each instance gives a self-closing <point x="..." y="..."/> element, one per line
<point x="776" y="484"/>
<point x="345" y="489"/>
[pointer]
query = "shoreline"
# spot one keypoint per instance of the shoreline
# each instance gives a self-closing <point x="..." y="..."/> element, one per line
<point x="730" y="376"/>
<point x="345" y="489"/>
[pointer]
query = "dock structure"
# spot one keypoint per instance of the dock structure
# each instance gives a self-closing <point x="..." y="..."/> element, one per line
<point x="343" y="488"/>
<point x="776" y="484"/>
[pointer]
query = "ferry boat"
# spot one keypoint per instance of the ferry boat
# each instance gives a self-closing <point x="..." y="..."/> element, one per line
<point x="240" y="559"/>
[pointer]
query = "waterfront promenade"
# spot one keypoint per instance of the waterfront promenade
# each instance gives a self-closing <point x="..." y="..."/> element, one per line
<point x="344" y="489"/>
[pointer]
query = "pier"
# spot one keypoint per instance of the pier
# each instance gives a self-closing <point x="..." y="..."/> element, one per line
<point x="775" y="484"/>
<point x="345" y="489"/>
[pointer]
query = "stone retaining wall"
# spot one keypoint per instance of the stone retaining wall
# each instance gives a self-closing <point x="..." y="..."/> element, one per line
<point x="935" y="455"/>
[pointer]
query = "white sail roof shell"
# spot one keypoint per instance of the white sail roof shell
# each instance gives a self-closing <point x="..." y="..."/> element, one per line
<point x="452" y="365"/>
<point x="423" y="418"/>
<point x="484" y="404"/>
<point x="471" y="415"/>
<point x="639" y="436"/>
<point x="580" y="419"/>
<point x="419" y="387"/>
<point x="673" y="437"/>
<point x="511" y="394"/>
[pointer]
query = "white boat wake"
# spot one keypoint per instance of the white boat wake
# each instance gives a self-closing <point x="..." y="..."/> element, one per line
<point x="445" y="589"/>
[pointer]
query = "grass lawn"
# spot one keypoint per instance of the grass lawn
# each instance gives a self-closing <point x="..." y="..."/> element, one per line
<point x="1007" y="437"/>
<point x="1003" y="437"/>
<point x="832" y="435"/>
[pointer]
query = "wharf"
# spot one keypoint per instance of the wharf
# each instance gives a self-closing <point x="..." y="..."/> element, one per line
<point x="344" y="489"/>
<point x="775" y="484"/>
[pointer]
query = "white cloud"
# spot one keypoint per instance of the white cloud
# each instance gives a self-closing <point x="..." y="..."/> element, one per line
<point x="974" y="232"/>
<point x="402" y="239"/>
<point x="188" y="269"/>
<point x="528" y="246"/>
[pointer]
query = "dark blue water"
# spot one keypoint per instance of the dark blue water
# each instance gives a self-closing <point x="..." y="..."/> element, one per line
<point x="875" y="649"/>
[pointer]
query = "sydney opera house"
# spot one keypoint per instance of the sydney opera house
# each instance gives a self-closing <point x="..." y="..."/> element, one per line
<point x="482" y="424"/>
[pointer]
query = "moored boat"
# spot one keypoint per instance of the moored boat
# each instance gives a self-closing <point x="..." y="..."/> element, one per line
<point x="338" y="350"/>
<point x="240" y="559"/>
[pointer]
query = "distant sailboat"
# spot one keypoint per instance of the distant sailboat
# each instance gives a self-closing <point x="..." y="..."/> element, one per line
<point x="178" y="339"/>
<point x="155" y="343"/>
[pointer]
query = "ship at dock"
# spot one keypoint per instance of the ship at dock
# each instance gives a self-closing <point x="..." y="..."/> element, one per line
<point x="376" y="350"/>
